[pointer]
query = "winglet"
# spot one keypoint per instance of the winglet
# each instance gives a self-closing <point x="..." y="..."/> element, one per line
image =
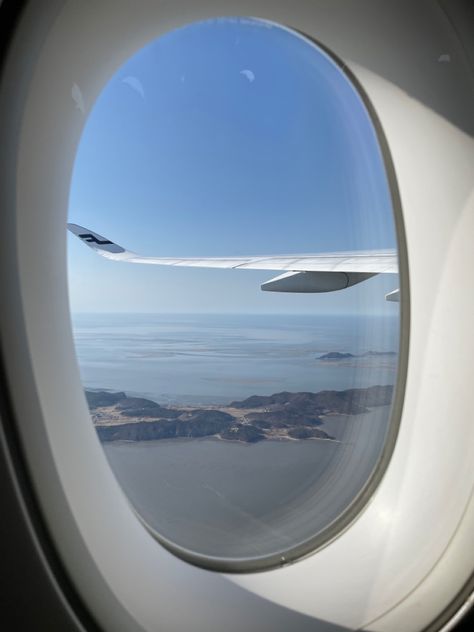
<point x="95" y="241"/>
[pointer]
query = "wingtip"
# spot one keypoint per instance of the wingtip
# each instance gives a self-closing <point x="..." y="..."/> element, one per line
<point x="73" y="227"/>
<point x="97" y="242"/>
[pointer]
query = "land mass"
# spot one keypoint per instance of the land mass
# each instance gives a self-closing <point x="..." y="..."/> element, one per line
<point x="285" y="415"/>
<point x="338" y="355"/>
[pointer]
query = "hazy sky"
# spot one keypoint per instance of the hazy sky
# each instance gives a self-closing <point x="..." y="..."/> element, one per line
<point x="225" y="138"/>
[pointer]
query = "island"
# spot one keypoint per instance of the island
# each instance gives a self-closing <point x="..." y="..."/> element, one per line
<point x="281" y="416"/>
<point x="336" y="355"/>
<point x="340" y="355"/>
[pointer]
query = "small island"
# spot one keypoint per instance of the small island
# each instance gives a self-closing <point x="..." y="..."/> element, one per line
<point x="335" y="356"/>
<point x="284" y="416"/>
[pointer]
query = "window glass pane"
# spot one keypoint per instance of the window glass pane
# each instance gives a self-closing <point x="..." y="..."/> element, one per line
<point x="241" y="423"/>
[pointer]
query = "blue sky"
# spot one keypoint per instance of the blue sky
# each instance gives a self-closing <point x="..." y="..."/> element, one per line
<point x="225" y="138"/>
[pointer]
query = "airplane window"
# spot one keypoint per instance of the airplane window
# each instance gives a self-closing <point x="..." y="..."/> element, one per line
<point x="238" y="156"/>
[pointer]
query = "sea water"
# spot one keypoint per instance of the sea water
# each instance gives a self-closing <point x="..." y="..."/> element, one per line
<point x="218" y="358"/>
<point x="228" y="499"/>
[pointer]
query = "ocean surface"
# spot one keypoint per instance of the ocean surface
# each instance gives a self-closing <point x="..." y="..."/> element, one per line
<point x="217" y="358"/>
<point x="228" y="499"/>
<point x="234" y="500"/>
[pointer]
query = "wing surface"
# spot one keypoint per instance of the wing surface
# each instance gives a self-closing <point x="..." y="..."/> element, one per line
<point x="323" y="272"/>
<point x="359" y="261"/>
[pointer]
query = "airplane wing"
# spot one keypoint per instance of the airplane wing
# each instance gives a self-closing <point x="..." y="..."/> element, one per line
<point x="325" y="272"/>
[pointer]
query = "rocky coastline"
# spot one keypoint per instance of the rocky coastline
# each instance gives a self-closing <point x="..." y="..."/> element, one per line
<point x="286" y="415"/>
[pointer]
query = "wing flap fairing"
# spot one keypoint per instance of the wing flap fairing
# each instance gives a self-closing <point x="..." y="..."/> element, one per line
<point x="309" y="282"/>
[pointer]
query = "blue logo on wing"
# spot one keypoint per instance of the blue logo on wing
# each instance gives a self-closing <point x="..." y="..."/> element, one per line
<point x="92" y="239"/>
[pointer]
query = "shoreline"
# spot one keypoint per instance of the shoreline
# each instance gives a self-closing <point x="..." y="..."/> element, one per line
<point x="285" y="416"/>
<point x="216" y="439"/>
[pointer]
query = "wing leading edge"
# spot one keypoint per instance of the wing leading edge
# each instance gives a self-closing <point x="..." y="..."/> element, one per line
<point x="326" y="272"/>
